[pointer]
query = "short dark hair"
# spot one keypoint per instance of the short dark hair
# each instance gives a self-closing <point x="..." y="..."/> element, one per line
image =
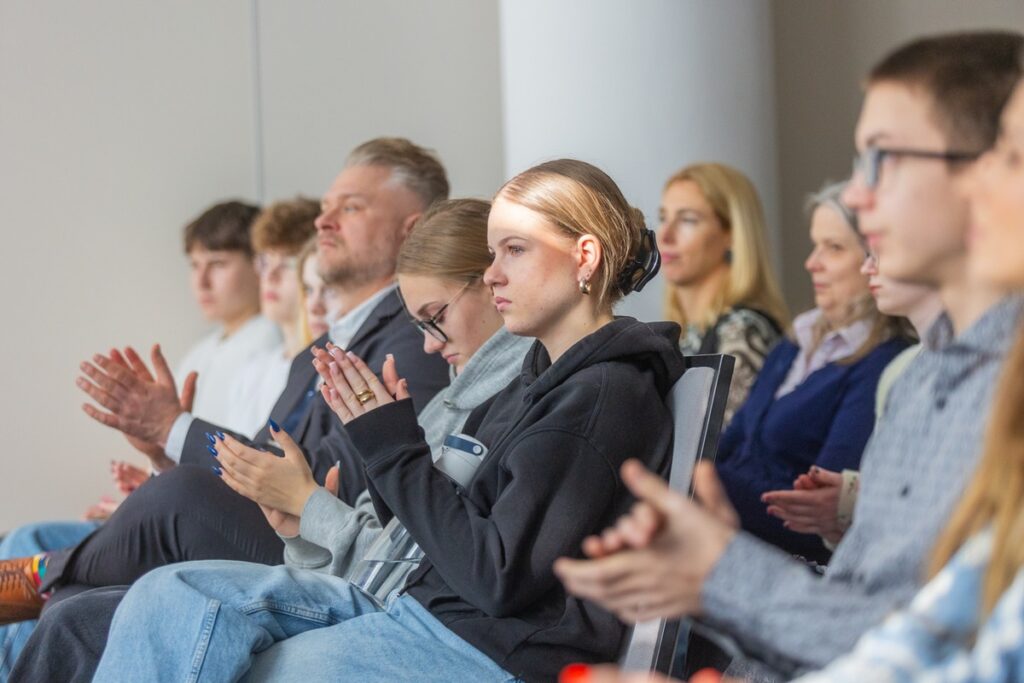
<point x="223" y="227"/>
<point x="285" y="225"/>
<point x="968" y="75"/>
<point x="415" y="167"/>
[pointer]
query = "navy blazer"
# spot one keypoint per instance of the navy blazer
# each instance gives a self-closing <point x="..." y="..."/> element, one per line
<point x="316" y="428"/>
<point x="826" y="421"/>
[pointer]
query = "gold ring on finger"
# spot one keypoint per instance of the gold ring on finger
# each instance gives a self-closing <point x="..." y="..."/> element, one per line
<point x="364" y="396"/>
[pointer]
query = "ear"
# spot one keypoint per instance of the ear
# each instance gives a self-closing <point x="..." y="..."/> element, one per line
<point x="588" y="255"/>
<point x="408" y="224"/>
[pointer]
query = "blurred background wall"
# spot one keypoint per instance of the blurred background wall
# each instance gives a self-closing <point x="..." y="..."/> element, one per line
<point x="119" y="121"/>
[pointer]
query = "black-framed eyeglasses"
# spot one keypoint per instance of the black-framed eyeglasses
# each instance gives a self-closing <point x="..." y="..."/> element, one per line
<point x="430" y="325"/>
<point x="869" y="162"/>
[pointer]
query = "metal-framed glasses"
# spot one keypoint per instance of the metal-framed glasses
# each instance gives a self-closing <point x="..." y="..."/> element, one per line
<point x="432" y="325"/>
<point x="869" y="162"/>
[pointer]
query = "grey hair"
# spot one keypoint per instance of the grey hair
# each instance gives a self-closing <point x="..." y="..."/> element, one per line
<point x="831" y="195"/>
<point x="416" y="168"/>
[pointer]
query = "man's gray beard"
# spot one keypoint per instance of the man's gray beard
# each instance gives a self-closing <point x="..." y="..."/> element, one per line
<point x="350" y="275"/>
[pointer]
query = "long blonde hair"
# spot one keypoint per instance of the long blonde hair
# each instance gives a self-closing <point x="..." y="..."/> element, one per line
<point x="752" y="282"/>
<point x="994" y="497"/>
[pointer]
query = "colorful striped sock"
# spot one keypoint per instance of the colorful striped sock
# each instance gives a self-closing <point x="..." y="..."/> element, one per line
<point x="39" y="568"/>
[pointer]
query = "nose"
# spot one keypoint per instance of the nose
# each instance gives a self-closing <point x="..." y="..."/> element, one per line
<point x="665" y="233"/>
<point x="203" y="277"/>
<point x="493" y="275"/>
<point x="857" y="196"/>
<point x="869" y="267"/>
<point x="326" y="220"/>
<point x="431" y="345"/>
<point x="813" y="262"/>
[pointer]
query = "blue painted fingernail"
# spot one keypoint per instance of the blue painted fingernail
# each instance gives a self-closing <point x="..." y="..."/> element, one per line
<point x="221" y="435"/>
<point x="273" y="426"/>
<point x="216" y="470"/>
<point x="212" y="450"/>
<point x="209" y="437"/>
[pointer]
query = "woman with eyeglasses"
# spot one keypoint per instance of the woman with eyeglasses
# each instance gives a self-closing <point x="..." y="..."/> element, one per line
<point x="278" y="235"/>
<point x="813" y="403"/>
<point x="483" y="604"/>
<point x="720" y="285"/>
<point x="440" y="274"/>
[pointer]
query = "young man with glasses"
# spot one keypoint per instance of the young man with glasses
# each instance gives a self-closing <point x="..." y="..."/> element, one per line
<point x="930" y="107"/>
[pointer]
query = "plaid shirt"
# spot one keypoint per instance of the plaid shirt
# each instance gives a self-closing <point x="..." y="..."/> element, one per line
<point x="924" y="451"/>
<point x="938" y="637"/>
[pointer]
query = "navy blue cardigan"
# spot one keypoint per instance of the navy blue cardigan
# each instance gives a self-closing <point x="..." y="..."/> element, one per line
<point x="825" y="421"/>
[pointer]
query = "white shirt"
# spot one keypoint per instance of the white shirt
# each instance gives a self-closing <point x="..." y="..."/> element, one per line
<point x="259" y="386"/>
<point x="835" y="345"/>
<point x="221" y="362"/>
<point x="341" y="333"/>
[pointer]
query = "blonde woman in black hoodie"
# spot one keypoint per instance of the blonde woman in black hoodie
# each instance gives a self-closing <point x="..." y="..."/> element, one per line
<point x="484" y="604"/>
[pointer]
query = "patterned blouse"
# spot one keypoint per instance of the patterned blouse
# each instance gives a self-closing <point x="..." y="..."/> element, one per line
<point x="938" y="638"/>
<point x="744" y="333"/>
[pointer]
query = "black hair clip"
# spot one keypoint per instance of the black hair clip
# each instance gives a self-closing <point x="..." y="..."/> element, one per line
<point x="647" y="262"/>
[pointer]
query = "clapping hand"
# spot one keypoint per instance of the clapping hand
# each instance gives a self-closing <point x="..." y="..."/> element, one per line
<point x="654" y="561"/>
<point x="282" y="483"/>
<point x="141" y="406"/>
<point x="350" y="387"/>
<point x="812" y="506"/>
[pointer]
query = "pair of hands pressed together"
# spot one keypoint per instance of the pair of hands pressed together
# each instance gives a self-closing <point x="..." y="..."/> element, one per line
<point x="282" y="485"/>
<point x="811" y="507"/>
<point x="654" y="561"/>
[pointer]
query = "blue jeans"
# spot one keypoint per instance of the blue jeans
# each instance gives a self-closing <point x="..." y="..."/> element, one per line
<point x="221" y="621"/>
<point x="22" y="542"/>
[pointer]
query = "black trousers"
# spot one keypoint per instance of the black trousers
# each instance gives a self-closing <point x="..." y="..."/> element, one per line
<point x="68" y="641"/>
<point x="185" y="514"/>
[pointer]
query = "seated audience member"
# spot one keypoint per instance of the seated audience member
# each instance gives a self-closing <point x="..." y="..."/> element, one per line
<point x="224" y="284"/>
<point x="814" y="401"/>
<point x="821" y="501"/>
<point x="187" y="512"/>
<point x="483" y="604"/>
<point x="440" y="271"/>
<point x="319" y="300"/>
<point x="937" y="100"/>
<point x="720" y="283"/>
<point x="966" y="624"/>
<point x="278" y="234"/>
<point x="440" y="274"/>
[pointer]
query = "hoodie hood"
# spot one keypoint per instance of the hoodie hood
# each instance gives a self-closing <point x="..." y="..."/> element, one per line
<point x="625" y="340"/>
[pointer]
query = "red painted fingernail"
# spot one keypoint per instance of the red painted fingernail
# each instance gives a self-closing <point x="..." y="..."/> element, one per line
<point x="575" y="673"/>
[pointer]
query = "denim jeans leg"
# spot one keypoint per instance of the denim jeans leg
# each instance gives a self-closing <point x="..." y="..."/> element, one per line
<point x="404" y="643"/>
<point x="23" y="541"/>
<point x="204" y="621"/>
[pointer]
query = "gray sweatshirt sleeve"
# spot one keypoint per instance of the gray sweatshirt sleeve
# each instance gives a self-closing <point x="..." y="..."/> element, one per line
<point x="783" y="613"/>
<point x="332" y="535"/>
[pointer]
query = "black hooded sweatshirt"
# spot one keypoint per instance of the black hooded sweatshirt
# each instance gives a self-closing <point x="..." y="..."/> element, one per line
<point x="556" y="437"/>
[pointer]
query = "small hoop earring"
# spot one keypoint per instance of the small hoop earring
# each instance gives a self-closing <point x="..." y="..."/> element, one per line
<point x="584" y="286"/>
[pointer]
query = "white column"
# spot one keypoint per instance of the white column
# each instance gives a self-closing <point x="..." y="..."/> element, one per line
<point x="641" y="88"/>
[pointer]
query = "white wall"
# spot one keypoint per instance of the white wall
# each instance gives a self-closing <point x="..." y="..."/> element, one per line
<point x="118" y="120"/>
<point x="337" y="73"/>
<point x="640" y="89"/>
